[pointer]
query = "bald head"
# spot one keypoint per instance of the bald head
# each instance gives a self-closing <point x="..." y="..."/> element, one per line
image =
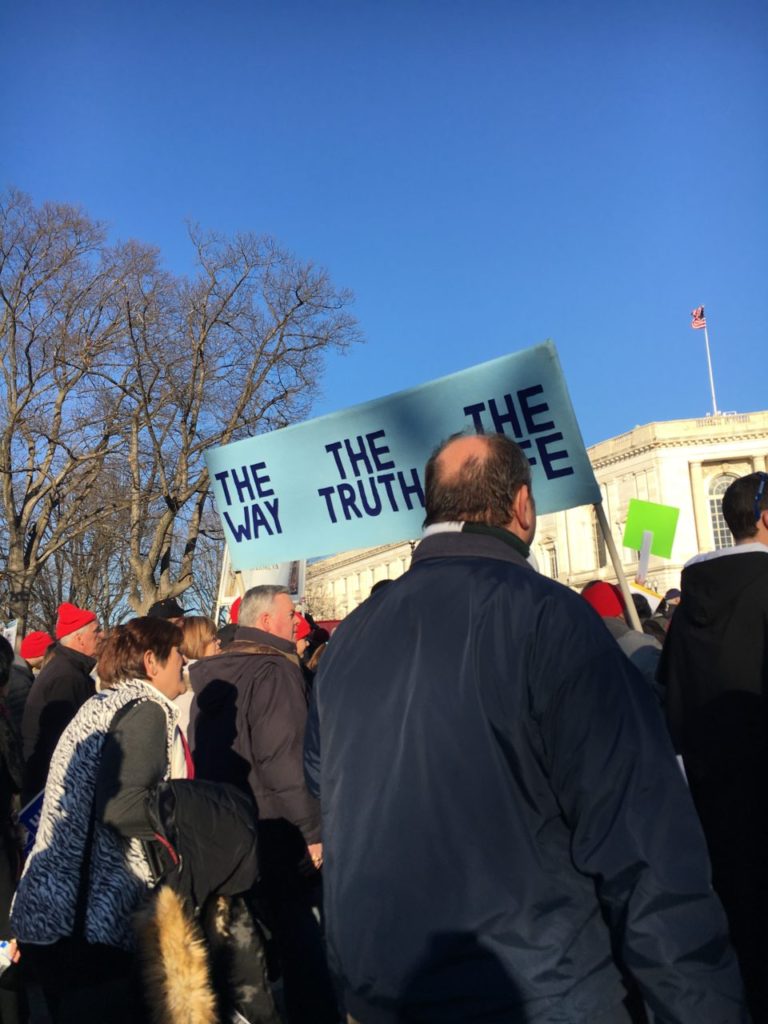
<point x="453" y="457"/>
<point x="480" y="478"/>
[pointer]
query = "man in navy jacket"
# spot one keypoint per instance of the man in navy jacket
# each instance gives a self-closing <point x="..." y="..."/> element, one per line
<point x="506" y="832"/>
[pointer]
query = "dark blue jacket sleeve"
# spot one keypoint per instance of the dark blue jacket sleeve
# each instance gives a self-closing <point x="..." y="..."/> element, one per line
<point x="312" y="747"/>
<point x="635" y="832"/>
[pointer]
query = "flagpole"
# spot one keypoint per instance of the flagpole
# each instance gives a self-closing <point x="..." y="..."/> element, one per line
<point x="711" y="378"/>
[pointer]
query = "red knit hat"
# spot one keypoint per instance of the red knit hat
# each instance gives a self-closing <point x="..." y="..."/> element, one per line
<point x="234" y="609"/>
<point x="34" y="645"/>
<point x="70" y="618"/>
<point x="603" y="599"/>
<point x="620" y="597"/>
<point x="303" y="628"/>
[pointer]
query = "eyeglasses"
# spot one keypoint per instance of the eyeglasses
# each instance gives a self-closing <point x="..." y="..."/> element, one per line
<point x="759" y="496"/>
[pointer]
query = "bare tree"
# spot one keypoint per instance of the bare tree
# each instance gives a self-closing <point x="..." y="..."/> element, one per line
<point x="60" y="313"/>
<point x="91" y="572"/>
<point x="118" y="376"/>
<point x="235" y="351"/>
<point x="209" y="557"/>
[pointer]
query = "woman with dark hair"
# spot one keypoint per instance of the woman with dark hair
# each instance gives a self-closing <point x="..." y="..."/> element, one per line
<point x="120" y="815"/>
<point x="89" y="868"/>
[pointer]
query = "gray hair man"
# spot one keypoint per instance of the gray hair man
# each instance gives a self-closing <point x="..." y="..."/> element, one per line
<point x="505" y="825"/>
<point x="247" y="727"/>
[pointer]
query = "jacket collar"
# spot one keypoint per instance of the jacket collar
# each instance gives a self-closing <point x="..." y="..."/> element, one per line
<point x="457" y="543"/>
<point x="259" y="636"/>
<point x="506" y="536"/>
<point x="84" y="661"/>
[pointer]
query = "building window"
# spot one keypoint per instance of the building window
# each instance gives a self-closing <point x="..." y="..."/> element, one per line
<point x="601" y="559"/>
<point x="551" y="552"/>
<point x="721" y="535"/>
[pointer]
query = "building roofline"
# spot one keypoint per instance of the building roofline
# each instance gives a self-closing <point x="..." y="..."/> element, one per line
<point x="704" y="430"/>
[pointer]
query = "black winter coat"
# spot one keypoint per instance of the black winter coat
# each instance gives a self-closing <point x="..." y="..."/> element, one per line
<point x="211" y="828"/>
<point x="715" y="669"/>
<point x="247" y="727"/>
<point x="715" y="660"/>
<point x="61" y="688"/>
<point x="503" y="815"/>
<point x="19" y="685"/>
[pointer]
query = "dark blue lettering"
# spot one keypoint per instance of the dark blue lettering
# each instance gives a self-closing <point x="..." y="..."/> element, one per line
<point x="547" y="457"/>
<point x="378" y="451"/>
<point x="525" y="445"/>
<point x="409" y="489"/>
<point x="326" y="492"/>
<point x="346" y="494"/>
<point x="334" y="449"/>
<point x="474" y="411"/>
<point x="272" y="508"/>
<point x="374" y="508"/>
<point x="222" y="478"/>
<point x="259" y="480"/>
<point x="243" y="487"/>
<point x="500" y="418"/>
<point x="259" y="521"/>
<point x="529" y="411"/>
<point x="356" y="457"/>
<point x="386" y="479"/>
<point x="240" y="532"/>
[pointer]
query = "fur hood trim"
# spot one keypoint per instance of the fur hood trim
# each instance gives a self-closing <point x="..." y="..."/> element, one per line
<point x="174" y="963"/>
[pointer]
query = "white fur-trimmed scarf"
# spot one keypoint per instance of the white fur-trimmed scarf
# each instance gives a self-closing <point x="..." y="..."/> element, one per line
<point x="45" y="903"/>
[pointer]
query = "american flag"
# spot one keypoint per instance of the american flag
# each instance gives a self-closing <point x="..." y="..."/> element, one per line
<point x="698" y="319"/>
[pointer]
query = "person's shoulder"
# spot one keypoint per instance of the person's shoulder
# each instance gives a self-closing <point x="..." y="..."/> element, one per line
<point x="562" y="619"/>
<point x="145" y="708"/>
<point x="20" y="671"/>
<point x="279" y="666"/>
<point x="258" y="665"/>
<point x="59" y="673"/>
<point x="558" y="599"/>
<point x="632" y="641"/>
<point x="64" y="664"/>
<point x="48" y="671"/>
<point x="140" y="717"/>
<point x="229" y="664"/>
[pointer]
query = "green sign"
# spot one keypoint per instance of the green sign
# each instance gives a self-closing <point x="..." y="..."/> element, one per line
<point x="647" y="516"/>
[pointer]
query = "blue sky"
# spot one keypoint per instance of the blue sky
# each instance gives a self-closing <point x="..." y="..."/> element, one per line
<point x="483" y="175"/>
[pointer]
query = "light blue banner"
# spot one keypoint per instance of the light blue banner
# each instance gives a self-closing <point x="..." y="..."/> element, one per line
<point x="354" y="479"/>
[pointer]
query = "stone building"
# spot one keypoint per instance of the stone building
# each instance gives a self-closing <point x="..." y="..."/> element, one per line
<point x="685" y="463"/>
<point x="337" y="585"/>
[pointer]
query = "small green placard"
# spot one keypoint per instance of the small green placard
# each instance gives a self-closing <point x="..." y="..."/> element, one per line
<point x="661" y="520"/>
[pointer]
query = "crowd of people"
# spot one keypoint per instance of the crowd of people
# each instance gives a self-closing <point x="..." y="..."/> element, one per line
<point x="465" y="806"/>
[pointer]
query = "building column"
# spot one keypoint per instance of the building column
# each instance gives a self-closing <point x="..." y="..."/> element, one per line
<point x="700" y="505"/>
<point x="758" y="464"/>
<point x="567" y="569"/>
